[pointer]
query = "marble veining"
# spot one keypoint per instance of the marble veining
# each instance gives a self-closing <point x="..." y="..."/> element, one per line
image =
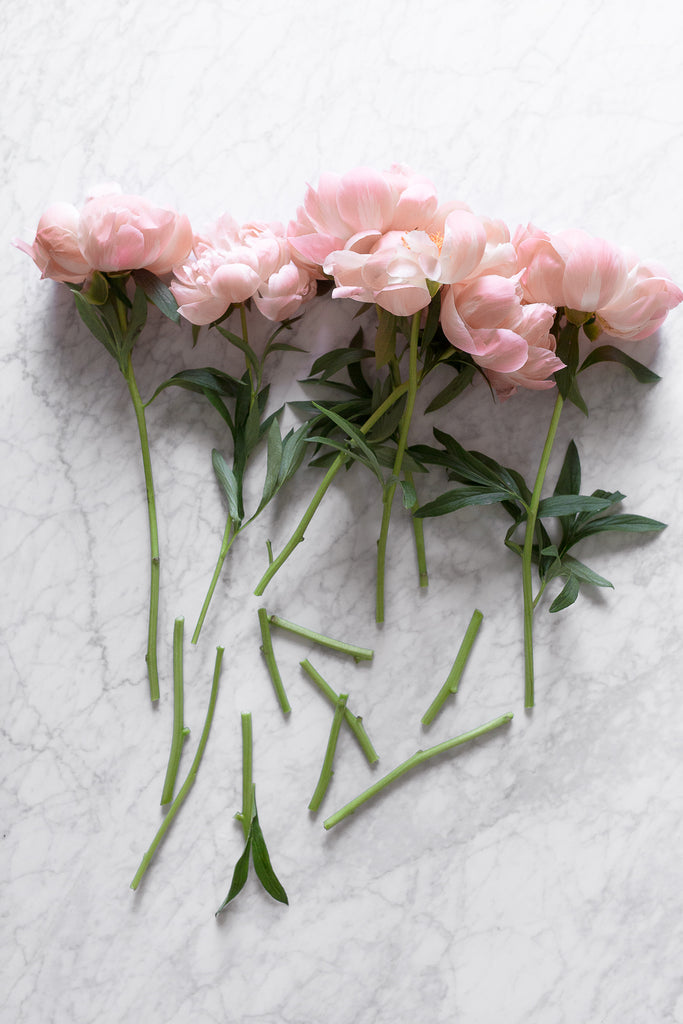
<point x="533" y="877"/>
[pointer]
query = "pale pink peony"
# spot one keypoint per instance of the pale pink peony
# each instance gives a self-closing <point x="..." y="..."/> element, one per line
<point x="55" y="249"/>
<point x="119" y="233"/>
<point x="284" y="292"/>
<point x="351" y="211"/>
<point x="510" y="340"/>
<point x="231" y="262"/>
<point x="643" y="304"/>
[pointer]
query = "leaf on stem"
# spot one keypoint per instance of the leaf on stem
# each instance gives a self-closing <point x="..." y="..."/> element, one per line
<point x="158" y="293"/>
<point x="228" y="481"/>
<point x="611" y="354"/>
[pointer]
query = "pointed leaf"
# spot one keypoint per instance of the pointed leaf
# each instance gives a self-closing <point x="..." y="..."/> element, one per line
<point x="228" y="481"/>
<point x="569" y="480"/>
<point x="262" y="865"/>
<point x="356" y="437"/>
<point x="239" y="875"/>
<point x="331" y="362"/>
<point x="273" y="462"/>
<point x="624" y="523"/>
<point x="95" y="325"/>
<point x="567" y="595"/>
<point x="452" y="501"/>
<point x="567" y="504"/>
<point x="242" y="345"/>
<point x="409" y="494"/>
<point x="385" y="339"/>
<point x="463" y="379"/>
<point x="611" y="354"/>
<point x="158" y="293"/>
<point x="584" y="574"/>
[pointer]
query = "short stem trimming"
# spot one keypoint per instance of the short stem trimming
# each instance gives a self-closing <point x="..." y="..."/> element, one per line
<point x="178" y="735"/>
<point x="419" y="757"/>
<point x="454" y="676"/>
<point x="226" y="544"/>
<point x="269" y="655"/>
<point x="354" y="724"/>
<point x="327" y="770"/>
<point x="357" y="653"/>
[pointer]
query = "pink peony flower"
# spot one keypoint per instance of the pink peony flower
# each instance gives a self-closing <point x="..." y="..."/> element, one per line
<point x="55" y="249"/>
<point x="118" y="233"/>
<point x="230" y="264"/>
<point x="507" y="338"/>
<point x="285" y="291"/>
<point x="642" y="305"/>
<point x="353" y="210"/>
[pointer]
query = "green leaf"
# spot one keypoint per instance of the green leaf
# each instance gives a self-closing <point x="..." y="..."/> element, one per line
<point x="582" y="572"/>
<point x="293" y="451"/>
<point x="273" y="463"/>
<point x="207" y="378"/>
<point x="567" y="504"/>
<point x="252" y="430"/>
<point x="228" y="481"/>
<point x="409" y="494"/>
<point x="331" y="362"/>
<point x="356" y="437"/>
<point x="624" y="523"/>
<point x="453" y="389"/>
<point x="569" y="480"/>
<point x="262" y="865"/>
<point x="242" y="345"/>
<point x="567" y="595"/>
<point x="385" y="339"/>
<point x="611" y="354"/>
<point x="95" y="325"/>
<point x="138" y="318"/>
<point x="239" y="875"/>
<point x="452" y="501"/>
<point x="386" y="456"/>
<point x="432" y="323"/>
<point x="158" y="293"/>
<point x="97" y="292"/>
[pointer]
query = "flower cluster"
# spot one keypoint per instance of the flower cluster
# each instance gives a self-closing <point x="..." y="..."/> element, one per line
<point x="451" y="289"/>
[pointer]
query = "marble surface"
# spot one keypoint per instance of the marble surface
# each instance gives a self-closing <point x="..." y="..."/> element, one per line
<point x="532" y="878"/>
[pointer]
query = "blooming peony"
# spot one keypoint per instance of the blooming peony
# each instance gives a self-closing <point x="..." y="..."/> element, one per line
<point x="507" y="338"/>
<point x="630" y="299"/>
<point x="285" y="291"/>
<point x="55" y="249"/>
<point x="118" y="232"/>
<point x="230" y="264"/>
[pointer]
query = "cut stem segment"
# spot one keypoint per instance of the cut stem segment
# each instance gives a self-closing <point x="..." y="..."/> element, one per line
<point x="226" y="544"/>
<point x="327" y="770"/>
<point x="419" y="757"/>
<point x="354" y="724"/>
<point x="179" y="734"/>
<point x="269" y="655"/>
<point x="189" y="781"/>
<point x="357" y="653"/>
<point x="454" y="676"/>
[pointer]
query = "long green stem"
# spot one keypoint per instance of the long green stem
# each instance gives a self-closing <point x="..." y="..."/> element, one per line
<point x="354" y="724"/>
<point x="527" y="552"/>
<point x="398" y="462"/>
<point x="179" y="733"/>
<point x="454" y="676"/>
<point x="357" y="653"/>
<point x="189" y="781"/>
<point x="151" y="656"/>
<point x="419" y="757"/>
<point x="298" y="534"/>
<point x="419" y="534"/>
<point x="226" y="544"/>
<point x="327" y="771"/>
<point x="269" y="655"/>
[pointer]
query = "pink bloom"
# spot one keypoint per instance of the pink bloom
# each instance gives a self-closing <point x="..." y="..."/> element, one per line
<point x="55" y="249"/>
<point x="119" y="233"/>
<point x="510" y="340"/>
<point x="231" y="263"/>
<point x="642" y="305"/>
<point x="351" y="211"/>
<point x="282" y="294"/>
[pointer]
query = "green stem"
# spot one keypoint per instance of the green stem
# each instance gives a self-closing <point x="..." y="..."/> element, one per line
<point x="327" y="771"/>
<point x="419" y="757"/>
<point x="357" y="653"/>
<point x="527" y="552"/>
<point x="226" y="544"/>
<point x="178" y="735"/>
<point x="247" y="812"/>
<point x="269" y="655"/>
<point x="354" y="724"/>
<point x="398" y="462"/>
<point x="455" y="674"/>
<point x="189" y="781"/>
<point x="298" y="534"/>
<point x="419" y="534"/>
<point x="151" y="655"/>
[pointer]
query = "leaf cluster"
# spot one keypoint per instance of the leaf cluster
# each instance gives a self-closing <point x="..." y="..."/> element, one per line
<point x="256" y="852"/>
<point x="578" y="516"/>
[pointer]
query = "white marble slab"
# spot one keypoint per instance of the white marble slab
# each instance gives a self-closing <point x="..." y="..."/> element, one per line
<point x="534" y="877"/>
